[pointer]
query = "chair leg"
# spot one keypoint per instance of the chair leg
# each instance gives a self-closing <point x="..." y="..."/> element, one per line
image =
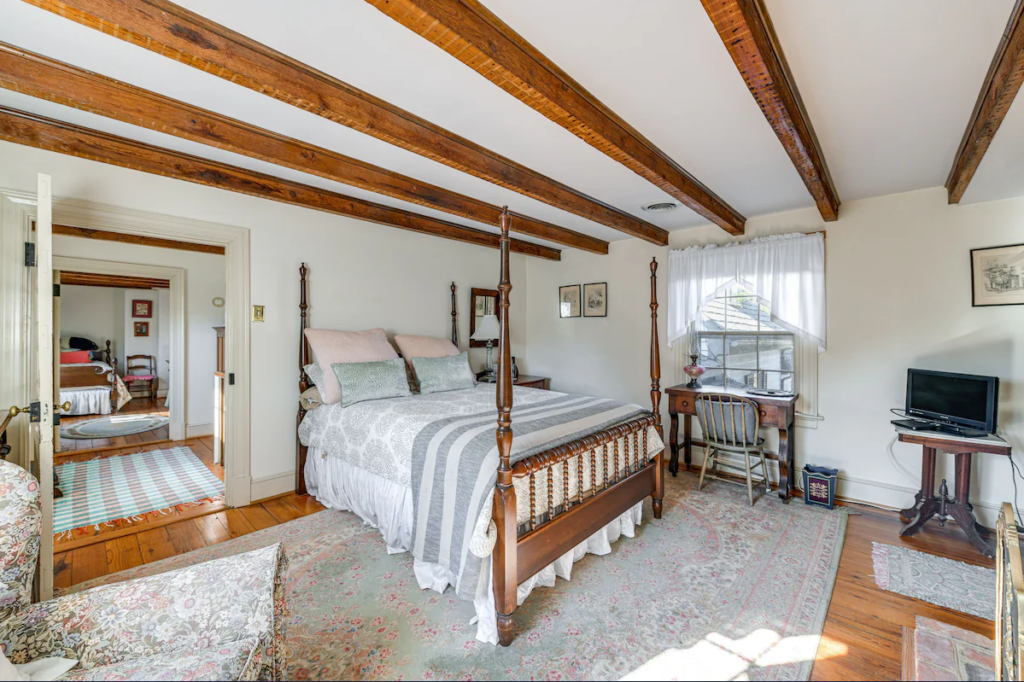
<point x="750" y="483"/>
<point x="704" y="466"/>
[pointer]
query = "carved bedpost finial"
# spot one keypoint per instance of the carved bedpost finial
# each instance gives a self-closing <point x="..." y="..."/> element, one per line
<point x="455" y="319"/>
<point x="655" y="351"/>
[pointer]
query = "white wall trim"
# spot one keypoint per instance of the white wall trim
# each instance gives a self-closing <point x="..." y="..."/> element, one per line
<point x="198" y="430"/>
<point x="271" y="486"/>
<point x="177" y="318"/>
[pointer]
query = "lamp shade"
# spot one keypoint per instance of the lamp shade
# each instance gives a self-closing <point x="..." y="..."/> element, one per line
<point x="487" y="330"/>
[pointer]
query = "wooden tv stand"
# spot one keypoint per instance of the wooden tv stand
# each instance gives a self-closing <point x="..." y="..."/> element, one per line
<point x="927" y="504"/>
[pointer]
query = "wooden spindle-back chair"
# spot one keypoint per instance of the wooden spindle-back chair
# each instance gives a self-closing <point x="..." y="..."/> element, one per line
<point x="731" y="425"/>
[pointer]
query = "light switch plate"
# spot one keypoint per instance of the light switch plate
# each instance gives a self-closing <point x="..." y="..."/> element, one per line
<point x="257" y="313"/>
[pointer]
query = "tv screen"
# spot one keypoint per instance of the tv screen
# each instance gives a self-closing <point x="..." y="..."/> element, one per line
<point x="962" y="399"/>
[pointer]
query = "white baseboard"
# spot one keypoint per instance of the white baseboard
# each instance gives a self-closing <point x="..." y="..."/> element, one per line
<point x="271" y="486"/>
<point x="198" y="430"/>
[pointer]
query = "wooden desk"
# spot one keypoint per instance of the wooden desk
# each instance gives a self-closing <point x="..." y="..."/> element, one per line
<point x="779" y="413"/>
<point x="927" y="504"/>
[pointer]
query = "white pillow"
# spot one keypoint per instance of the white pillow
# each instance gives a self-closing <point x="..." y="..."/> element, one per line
<point x="41" y="669"/>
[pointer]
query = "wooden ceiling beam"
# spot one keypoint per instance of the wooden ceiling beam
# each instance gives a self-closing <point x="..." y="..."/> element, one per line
<point x="52" y="135"/>
<point x="472" y="34"/>
<point x="90" y="279"/>
<point x="158" y="242"/>
<point x="748" y="34"/>
<point x="38" y="76"/>
<point x="1004" y="78"/>
<point x="172" y="31"/>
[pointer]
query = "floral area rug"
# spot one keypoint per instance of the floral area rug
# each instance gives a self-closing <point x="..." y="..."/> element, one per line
<point x="937" y="580"/>
<point x="716" y="589"/>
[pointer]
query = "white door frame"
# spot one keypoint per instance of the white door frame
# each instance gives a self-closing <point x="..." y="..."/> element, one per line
<point x="177" y="318"/>
<point x="16" y="211"/>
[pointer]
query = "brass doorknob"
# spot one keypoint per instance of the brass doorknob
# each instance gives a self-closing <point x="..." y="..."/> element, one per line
<point x="15" y="410"/>
<point x="66" y="407"/>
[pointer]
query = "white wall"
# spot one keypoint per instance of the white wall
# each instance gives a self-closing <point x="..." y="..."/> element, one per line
<point x="163" y="347"/>
<point x="140" y="345"/>
<point x="899" y="296"/>
<point x="361" y="276"/>
<point x="92" y="313"/>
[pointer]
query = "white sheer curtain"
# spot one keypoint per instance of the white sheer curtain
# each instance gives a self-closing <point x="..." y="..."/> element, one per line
<point x="785" y="272"/>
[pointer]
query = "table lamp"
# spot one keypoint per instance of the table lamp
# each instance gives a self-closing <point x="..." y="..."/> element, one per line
<point x="488" y="330"/>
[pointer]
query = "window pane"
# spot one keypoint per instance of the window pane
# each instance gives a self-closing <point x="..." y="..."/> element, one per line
<point x="776" y="352"/>
<point x="742" y="314"/>
<point x="740" y="378"/>
<point x="713" y="377"/>
<point x="741" y="352"/>
<point x="766" y="320"/>
<point x="712" y="351"/>
<point x="777" y="380"/>
<point x="712" y="316"/>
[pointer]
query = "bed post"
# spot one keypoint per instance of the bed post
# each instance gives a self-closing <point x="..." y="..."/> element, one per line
<point x="504" y="561"/>
<point x="455" y="319"/>
<point x="304" y="355"/>
<point x="659" y="474"/>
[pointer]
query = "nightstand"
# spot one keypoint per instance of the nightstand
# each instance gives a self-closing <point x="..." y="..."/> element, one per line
<point x="533" y="382"/>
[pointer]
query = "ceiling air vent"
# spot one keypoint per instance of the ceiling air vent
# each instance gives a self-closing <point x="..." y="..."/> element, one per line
<point x="660" y="207"/>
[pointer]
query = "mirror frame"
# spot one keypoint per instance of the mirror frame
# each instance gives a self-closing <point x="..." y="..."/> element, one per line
<point x="483" y="293"/>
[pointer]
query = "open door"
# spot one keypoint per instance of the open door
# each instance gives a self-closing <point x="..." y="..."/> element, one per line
<point x="43" y="388"/>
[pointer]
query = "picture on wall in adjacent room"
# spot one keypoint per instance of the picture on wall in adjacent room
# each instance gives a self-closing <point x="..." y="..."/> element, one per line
<point x="142" y="329"/>
<point x="569" y="301"/>
<point x="142" y="309"/>
<point x="997" y="275"/>
<point x="595" y="299"/>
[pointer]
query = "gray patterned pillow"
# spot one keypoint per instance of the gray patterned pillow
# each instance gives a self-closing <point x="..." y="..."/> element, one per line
<point x="315" y="375"/>
<point x="371" y="380"/>
<point x="443" y="374"/>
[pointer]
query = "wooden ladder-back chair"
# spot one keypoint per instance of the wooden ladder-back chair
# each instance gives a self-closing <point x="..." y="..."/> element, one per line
<point x="140" y="370"/>
<point x="731" y="424"/>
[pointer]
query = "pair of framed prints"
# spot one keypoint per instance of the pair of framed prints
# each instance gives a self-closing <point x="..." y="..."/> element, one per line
<point x="590" y="300"/>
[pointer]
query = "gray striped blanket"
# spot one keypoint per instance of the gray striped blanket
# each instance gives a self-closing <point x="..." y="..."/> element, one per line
<point x="454" y="470"/>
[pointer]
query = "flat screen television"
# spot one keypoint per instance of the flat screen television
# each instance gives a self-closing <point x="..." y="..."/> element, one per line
<point x="964" y="400"/>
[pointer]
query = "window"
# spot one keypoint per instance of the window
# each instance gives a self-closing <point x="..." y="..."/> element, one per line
<point x="741" y="347"/>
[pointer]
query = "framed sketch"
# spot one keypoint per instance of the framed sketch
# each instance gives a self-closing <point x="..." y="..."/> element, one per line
<point x="595" y="299"/>
<point x="997" y="275"/>
<point x="142" y="309"/>
<point x="569" y="301"/>
<point x="142" y="329"/>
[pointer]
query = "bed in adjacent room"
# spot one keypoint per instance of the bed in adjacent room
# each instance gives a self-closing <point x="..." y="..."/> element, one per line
<point x="494" y="488"/>
<point x="88" y="381"/>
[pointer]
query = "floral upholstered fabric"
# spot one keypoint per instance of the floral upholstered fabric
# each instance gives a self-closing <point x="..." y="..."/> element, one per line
<point x="222" y="619"/>
<point x="20" y="523"/>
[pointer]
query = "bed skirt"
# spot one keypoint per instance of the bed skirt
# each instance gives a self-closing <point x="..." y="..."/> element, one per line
<point x="94" y="400"/>
<point x="388" y="507"/>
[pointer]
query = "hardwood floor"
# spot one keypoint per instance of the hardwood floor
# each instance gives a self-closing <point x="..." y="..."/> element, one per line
<point x="134" y="406"/>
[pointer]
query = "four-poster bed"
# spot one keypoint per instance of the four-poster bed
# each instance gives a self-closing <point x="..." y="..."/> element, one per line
<point x="554" y="486"/>
<point x="90" y="387"/>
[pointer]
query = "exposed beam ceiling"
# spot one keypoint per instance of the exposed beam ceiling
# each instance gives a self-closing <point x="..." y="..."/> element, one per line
<point x="39" y="76"/>
<point x="474" y="35"/>
<point x="52" y="135"/>
<point x="746" y="29"/>
<point x="172" y="31"/>
<point x="1005" y="76"/>
<point x="89" y="279"/>
<point x="104" y="235"/>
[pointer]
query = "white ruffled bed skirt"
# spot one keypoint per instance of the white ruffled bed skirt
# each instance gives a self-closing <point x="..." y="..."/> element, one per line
<point x="388" y="507"/>
<point x="86" y="400"/>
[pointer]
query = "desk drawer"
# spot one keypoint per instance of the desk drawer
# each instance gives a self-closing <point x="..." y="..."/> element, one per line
<point x="681" y="404"/>
<point x="769" y="415"/>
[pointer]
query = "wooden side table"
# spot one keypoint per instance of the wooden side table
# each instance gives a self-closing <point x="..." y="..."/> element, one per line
<point x="927" y="504"/>
<point x="529" y="381"/>
<point x="775" y="412"/>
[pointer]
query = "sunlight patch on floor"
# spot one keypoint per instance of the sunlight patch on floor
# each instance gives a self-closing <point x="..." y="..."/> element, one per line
<point x="717" y="657"/>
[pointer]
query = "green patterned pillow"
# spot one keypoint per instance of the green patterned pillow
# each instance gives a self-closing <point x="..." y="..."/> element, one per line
<point x="443" y="374"/>
<point x="371" y="380"/>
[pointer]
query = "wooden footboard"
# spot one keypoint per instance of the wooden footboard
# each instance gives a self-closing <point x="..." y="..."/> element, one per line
<point x="602" y="493"/>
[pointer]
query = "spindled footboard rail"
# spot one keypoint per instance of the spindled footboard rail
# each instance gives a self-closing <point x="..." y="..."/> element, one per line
<point x="599" y="477"/>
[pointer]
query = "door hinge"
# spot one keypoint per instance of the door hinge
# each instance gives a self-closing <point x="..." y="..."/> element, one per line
<point x="56" y="291"/>
<point x="56" y="417"/>
<point x="231" y="379"/>
<point x="30" y="254"/>
<point x="35" y="412"/>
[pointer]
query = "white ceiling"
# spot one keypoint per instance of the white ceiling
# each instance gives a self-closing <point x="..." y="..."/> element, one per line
<point x="888" y="86"/>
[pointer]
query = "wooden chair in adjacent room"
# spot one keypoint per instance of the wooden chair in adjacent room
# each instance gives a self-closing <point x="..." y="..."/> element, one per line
<point x="731" y="425"/>
<point x="140" y="372"/>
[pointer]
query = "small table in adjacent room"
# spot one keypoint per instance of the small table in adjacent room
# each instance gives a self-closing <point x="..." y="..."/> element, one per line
<point x="927" y="504"/>
<point x="775" y="411"/>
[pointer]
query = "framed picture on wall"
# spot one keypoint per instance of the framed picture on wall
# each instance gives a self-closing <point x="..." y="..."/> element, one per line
<point x="142" y="309"/>
<point x="569" y="301"/>
<point x="997" y="275"/>
<point x="142" y="329"/>
<point x="595" y="299"/>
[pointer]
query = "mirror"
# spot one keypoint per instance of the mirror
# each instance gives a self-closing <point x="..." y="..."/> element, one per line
<point x="481" y="302"/>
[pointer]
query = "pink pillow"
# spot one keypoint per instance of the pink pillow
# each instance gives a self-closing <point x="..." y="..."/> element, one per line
<point x="75" y="357"/>
<point x="332" y="347"/>
<point x="424" y="347"/>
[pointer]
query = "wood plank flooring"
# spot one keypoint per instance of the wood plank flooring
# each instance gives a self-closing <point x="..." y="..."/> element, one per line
<point x="134" y="406"/>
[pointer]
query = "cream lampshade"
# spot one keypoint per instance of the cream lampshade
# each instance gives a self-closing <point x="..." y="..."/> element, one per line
<point x="488" y="330"/>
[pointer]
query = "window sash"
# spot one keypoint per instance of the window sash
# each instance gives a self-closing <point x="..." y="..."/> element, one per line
<point x="757" y="371"/>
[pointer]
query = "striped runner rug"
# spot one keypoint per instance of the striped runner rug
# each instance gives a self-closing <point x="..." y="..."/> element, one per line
<point x="102" y="490"/>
